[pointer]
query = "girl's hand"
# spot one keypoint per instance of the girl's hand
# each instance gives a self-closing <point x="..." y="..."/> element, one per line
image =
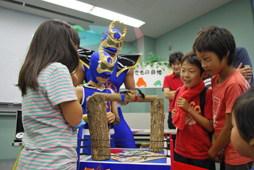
<point x="111" y="117"/>
<point x="183" y="103"/>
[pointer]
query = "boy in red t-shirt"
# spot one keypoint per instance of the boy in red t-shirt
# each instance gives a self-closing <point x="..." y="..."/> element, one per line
<point x="215" y="48"/>
<point x="172" y="82"/>
<point x="193" y="119"/>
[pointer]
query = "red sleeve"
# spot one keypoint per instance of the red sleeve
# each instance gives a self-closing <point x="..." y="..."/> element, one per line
<point x="230" y="97"/>
<point x="208" y="105"/>
<point x="166" y="82"/>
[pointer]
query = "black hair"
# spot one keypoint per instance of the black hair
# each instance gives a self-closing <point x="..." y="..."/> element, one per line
<point x="218" y="40"/>
<point x="192" y="58"/>
<point x="243" y="112"/>
<point x="175" y="56"/>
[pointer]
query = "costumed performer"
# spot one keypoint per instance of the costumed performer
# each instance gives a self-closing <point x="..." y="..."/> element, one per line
<point x="101" y="67"/>
<point x="123" y="72"/>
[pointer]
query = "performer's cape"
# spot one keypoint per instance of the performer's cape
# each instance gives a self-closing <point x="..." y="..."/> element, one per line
<point x="124" y="61"/>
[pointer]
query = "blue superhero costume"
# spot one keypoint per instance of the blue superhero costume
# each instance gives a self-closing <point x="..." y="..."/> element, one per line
<point x="101" y="65"/>
<point x="112" y="43"/>
<point x="123" y="135"/>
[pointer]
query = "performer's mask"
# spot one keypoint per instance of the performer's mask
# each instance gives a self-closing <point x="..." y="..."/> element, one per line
<point x="101" y="65"/>
<point x="113" y="39"/>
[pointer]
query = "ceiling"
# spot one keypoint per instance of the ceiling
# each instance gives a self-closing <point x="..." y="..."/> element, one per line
<point x="161" y="16"/>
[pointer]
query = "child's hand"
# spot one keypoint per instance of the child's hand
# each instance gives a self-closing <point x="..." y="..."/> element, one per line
<point x="173" y="112"/>
<point x="217" y="157"/>
<point x="183" y="103"/>
<point x="111" y="117"/>
<point x="221" y="155"/>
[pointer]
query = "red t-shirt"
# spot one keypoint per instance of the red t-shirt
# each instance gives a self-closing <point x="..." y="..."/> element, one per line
<point x="224" y="96"/>
<point x="193" y="141"/>
<point x="172" y="82"/>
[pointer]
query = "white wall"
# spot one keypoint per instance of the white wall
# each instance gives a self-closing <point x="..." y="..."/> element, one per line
<point x="141" y="120"/>
<point x="16" y="33"/>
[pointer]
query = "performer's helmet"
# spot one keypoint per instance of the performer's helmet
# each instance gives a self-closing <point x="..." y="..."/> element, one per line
<point x="101" y="65"/>
<point x="113" y="39"/>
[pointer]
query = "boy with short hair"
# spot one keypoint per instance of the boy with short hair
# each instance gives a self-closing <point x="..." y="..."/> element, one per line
<point x="172" y="82"/>
<point x="192" y="115"/>
<point x="215" y="48"/>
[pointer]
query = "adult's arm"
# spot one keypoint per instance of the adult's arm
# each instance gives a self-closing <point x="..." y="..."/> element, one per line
<point x="244" y="65"/>
<point x="245" y="71"/>
<point x="168" y="94"/>
<point x="129" y="81"/>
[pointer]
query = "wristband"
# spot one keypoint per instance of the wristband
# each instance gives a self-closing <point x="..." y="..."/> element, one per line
<point x="136" y="98"/>
<point x="122" y="98"/>
<point x="80" y="124"/>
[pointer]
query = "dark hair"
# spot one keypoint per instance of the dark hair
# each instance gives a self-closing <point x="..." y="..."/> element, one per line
<point x="217" y="40"/>
<point x="192" y="58"/>
<point x="52" y="42"/>
<point x="75" y="37"/>
<point x="175" y="56"/>
<point x="243" y="110"/>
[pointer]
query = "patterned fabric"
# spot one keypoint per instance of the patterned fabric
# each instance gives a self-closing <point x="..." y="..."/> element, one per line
<point x="49" y="142"/>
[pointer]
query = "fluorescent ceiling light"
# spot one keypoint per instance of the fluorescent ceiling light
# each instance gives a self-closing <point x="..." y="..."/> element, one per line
<point x="107" y="14"/>
<point x="73" y="4"/>
<point x="97" y="11"/>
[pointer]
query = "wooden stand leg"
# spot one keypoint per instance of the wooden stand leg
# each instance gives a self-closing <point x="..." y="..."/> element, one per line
<point x="98" y="127"/>
<point x="157" y="125"/>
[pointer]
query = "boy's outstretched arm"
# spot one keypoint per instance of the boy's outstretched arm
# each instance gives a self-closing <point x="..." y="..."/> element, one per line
<point x="221" y="140"/>
<point x="129" y="83"/>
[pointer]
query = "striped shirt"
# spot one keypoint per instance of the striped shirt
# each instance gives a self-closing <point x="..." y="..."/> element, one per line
<point x="49" y="142"/>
